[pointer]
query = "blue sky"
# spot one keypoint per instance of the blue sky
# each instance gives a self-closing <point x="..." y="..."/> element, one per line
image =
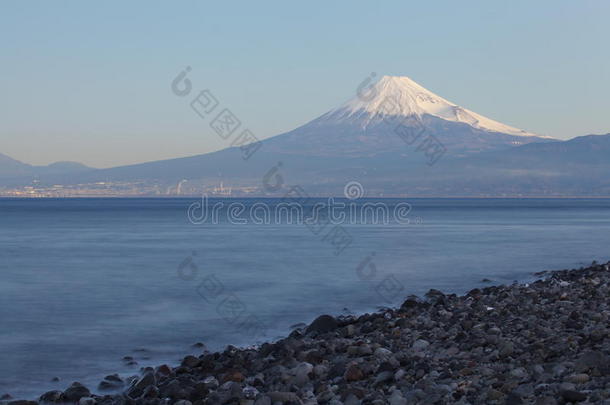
<point x="90" y="81"/>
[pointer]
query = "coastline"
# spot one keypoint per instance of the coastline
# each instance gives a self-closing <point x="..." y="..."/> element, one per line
<point x="546" y="342"/>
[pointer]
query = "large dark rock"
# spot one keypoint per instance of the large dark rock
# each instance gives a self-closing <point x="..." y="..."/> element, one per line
<point x="51" y="397"/>
<point x="75" y="392"/>
<point x="174" y="390"/>
<point x="191" y="362"/>
<point x="573" y="396"/>
<point x="139" y="386"/>
<point x="151" y="392"/>
<point x="353" y="373"/>
<point x="593" y="360"/>
<point x="111" y="382"/>
<point x="323" y="324"/>
<point x="409" y="303"/>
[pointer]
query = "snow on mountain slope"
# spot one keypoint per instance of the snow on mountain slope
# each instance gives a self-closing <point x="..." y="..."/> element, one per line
<point x="399" y="95"/>
<point x="372" y="123"/>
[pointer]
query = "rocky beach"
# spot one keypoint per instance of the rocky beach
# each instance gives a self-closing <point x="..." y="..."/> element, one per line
<point x="547" y="342"/>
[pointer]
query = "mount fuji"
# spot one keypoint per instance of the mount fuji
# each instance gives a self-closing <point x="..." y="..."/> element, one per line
<point x="409" y="98"/>
<point x="373" y="121"/>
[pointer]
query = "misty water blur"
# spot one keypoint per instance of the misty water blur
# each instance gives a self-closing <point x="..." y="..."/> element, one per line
<point x="85" y="282"/>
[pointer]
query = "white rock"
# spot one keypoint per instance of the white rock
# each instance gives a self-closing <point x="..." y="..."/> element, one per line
<point x="397" y="399"/>
<point x="382" y="352"/>
<point x="420" y="344"/>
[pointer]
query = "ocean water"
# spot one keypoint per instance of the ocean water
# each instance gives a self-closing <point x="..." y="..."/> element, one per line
<point x="85" y="282"/>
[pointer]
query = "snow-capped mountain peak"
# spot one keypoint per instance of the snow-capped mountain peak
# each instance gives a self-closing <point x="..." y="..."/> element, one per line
<point x="400" y="95"/>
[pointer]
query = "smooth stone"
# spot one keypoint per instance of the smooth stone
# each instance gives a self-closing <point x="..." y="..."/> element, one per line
<point x="280" y="396"/>
<point x="234" y="375"/>
<point x="578" y="378"/>
<point x="566" y="386"/>
<point x="591" y="360"/>
<point x="249" y="392"/>
<point x="382" y="352"/>
<point x="150" y="392"/>
<point x="51" y="396"/>
<point x="323" y="324"/>
<point x="573" y="396"/>
<point x="383" y="377"/>
<point x="519" y="373"/>
<point x="211" y="382"/>
<point x="111" y="382"/>
<point x="75" y="392"/>
<point x="494" y="395"/>
<point x="506" y="349"/>
<point x="397" y="399"/>
<point x="263" y="400"/>
<point x="353" y="373"/>
<point x="191" y="362"/>
<point x="138" y="388"/>
<point x="546" y="401"/>
<point x="513" y="399"/>
<point x="352" y="400"/>
<point x="87" y="401"/>
<point x="420" y="344"/>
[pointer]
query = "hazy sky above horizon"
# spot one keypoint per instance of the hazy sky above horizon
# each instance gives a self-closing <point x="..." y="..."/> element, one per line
<point x="90" y="81"/>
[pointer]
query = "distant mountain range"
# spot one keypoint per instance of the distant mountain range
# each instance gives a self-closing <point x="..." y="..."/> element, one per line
<point x="395" y="137"/>
<point x="12" y="168"/>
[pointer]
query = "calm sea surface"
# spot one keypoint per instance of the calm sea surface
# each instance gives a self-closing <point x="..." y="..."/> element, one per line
<point x="85" y="282"/>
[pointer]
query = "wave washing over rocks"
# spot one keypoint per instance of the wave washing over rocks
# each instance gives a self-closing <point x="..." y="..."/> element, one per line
<point x="547" y="342"/>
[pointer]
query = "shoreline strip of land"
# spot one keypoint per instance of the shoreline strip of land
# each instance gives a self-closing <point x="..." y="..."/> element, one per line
<point x="546" y="342"/>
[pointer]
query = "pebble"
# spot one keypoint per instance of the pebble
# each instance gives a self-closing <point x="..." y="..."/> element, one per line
<point x="506" y="349"/>
<point x="75" y="392"/>
<point x="354" y="373"/>
<point x="111" y="382"/>
<point x="87" y="401"/>
<point x="397" y="399"/>
<point x="51" y="396"/>
<point x="263" y="400"/>
<point x="420" y="345"/>
<point x="322" y="324"/>
<point x="573" y="396"/>
<point x="519" y="373"/>
<point x="250" y="392"/>
<point x="578" y="378"/>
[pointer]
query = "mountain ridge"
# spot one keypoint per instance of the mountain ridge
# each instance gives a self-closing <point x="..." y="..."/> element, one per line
<point x="384" y="148"/>
<point x="10" y="167"/>
<point x="528" y="170"/>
